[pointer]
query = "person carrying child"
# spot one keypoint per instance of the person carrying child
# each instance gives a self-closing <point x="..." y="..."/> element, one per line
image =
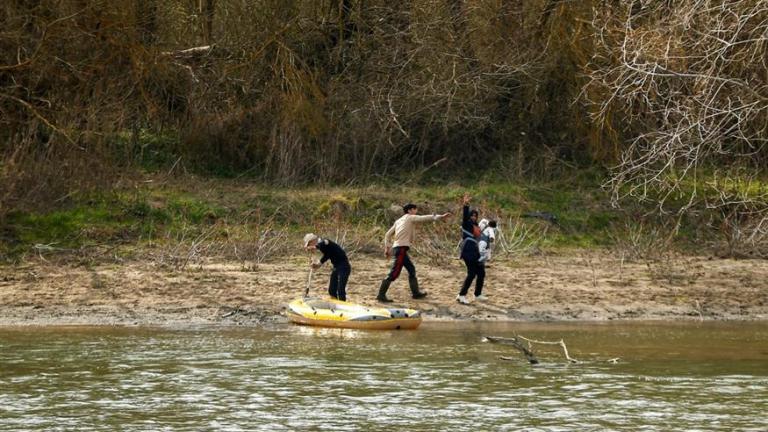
<point x="470" y="251"/>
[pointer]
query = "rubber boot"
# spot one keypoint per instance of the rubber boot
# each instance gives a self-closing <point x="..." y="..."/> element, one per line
<point x="382" y="297"/>
<point x="415" y="293"/>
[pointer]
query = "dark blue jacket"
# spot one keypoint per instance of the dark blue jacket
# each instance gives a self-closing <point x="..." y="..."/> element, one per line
<point x="469" y="248"/>
<point x="332" y="251"/>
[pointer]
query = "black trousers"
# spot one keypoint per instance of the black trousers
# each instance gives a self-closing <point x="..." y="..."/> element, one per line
<point x="337" y="287"/>
<point x="475" y="269"/>
<point x="401" y="259"/>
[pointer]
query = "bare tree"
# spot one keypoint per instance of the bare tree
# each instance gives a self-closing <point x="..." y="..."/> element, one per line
<point x="688" y="81"/>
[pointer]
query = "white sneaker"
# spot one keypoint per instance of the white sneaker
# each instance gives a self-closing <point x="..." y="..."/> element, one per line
<point x="481" y="297"/>
<point x="462" y="299"/>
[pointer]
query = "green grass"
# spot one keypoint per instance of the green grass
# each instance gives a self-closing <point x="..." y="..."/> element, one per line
<point x="190" y="206"/>
<point x="67" y="228"/>
<point x="115" y="217"/>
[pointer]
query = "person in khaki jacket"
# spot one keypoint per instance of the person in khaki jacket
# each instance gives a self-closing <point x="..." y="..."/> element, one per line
<point x="404" y="233"/>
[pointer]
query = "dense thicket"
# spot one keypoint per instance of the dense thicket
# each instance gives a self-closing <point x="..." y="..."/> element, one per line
<point x="293" y="91"/>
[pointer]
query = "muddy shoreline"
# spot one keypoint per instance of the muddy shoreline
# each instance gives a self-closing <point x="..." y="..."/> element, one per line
<point x="566" y="287"/>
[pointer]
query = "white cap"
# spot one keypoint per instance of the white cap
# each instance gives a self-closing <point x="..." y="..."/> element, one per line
<point x="308" y="238"/>
<point x="483" y="223"/>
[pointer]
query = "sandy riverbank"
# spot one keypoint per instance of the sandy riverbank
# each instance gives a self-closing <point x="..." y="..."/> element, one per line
<point x="573" y="286"/>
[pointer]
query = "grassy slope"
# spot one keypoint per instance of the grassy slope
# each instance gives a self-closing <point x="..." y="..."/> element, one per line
<point x="161" y="212"/>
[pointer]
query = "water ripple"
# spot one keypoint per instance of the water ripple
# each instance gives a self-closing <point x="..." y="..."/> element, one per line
<point x="293" y="378"/>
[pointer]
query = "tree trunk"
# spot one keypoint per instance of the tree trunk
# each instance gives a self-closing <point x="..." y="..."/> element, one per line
<point x="146" y="21"/>
<point x="460" y="23"/>
<point x="207" y="8"/>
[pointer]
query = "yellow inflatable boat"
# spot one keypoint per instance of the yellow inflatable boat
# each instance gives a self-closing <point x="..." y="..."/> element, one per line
<point x="335" y="313"/>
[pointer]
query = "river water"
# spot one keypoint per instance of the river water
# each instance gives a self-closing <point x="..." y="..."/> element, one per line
<point x="441" y="377"/>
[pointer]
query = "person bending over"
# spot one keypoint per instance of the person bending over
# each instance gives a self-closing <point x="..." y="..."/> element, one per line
<point x="337" y="287"/>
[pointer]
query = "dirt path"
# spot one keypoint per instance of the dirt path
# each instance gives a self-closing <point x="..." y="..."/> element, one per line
<point x="558" y="287"/>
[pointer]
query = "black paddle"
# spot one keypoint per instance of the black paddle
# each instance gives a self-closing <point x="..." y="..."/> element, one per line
<point x="309" y="279"/>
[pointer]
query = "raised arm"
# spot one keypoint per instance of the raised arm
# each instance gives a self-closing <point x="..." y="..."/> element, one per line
<point x="465" y="209"/>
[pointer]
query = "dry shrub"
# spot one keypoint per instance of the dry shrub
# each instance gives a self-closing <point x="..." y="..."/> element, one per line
<point x="743" y="230"/>
<point x="687" y="81"/>
<point x="517" y="238"/>
<point x="289" y="91"/>
<point x="76" y="76"/>
<point x="251" y="240"/>
<point x="439" y="242"/>
<point x="675" y="270"/>
<point x="37" y="177"/>
<point x="748" y="239"/>
<point x="642" y="240"/>
<point x="338" y="91"/>
<point x="650" y="241"/>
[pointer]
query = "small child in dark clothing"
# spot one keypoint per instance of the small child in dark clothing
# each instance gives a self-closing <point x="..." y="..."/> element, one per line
<point x="337" y="287"/>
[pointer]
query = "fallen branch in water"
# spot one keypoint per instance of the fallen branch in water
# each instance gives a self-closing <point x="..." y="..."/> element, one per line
<point x="517" y="342"/>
